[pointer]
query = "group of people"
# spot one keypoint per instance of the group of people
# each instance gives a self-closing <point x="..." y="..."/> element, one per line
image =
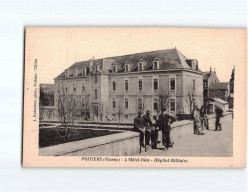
<point x="201" y="120"/>
<point x="148" y="128"/>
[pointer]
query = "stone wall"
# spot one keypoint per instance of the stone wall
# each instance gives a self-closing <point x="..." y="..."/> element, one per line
<point x="121" y="144"/>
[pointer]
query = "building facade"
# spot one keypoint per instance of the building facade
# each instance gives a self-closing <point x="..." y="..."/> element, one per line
<point x="117" y="87"/>
<point x="220" y="90"/>
<point x="208" y="78"/>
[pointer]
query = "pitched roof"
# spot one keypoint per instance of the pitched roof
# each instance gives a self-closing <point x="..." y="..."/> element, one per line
<point x="168" y="59"/>
<point x="208" y="74"/>
<point x="220" y="100"/>
<point x="221" y="85"/>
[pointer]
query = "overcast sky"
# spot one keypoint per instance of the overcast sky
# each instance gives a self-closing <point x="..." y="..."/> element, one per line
<point x="58" y="48"/>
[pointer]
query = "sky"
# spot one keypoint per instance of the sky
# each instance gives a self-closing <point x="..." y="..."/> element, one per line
<point x="58" y="48"/>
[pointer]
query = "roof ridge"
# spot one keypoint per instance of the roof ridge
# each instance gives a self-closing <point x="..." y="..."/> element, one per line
<point x="139" y="53"/>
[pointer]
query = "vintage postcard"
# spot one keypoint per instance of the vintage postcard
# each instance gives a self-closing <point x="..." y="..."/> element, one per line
<point x="135" y="97"/>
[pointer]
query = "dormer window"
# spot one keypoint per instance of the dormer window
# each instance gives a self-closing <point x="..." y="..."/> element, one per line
<point x="127" y="67"/>
<point x="156" y="64"/>
<point x="66" y="73"/>
<point x="114" y="68"/>
<point x="75" y="72"/>
<point x="140" y="65"/>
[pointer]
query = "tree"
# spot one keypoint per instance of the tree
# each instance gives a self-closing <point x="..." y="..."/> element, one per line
<point x="120" y="111"/>
<point x="142" y="107"/>
<point x="67" y="111"/>
<point x="232" y="81"/>
<point x="100" y="108"/>
<point x="163" y="99"/>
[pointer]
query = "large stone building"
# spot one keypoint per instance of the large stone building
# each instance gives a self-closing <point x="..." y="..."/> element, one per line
<point x="122" y="85"/>
<point x="208" y="78"/>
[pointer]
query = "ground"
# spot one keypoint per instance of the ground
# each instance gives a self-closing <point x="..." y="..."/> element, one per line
<point x="211" y="144"/>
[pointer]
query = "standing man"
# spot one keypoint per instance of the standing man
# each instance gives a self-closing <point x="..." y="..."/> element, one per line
<point x="164" y="123"/>
<point x="148" y="127"/>
<point x="139" y="127"/>
<point x="203" y="115"/>
<point x="219" y="112"/>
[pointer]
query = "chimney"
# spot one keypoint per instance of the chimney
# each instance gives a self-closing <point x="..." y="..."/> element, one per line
<point x="214" y="69"/>
<point x="91" y="63"/>
<point x="210" y="69"/>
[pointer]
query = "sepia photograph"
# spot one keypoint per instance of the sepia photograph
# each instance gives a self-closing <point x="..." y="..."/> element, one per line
<point x="150" y="94"/>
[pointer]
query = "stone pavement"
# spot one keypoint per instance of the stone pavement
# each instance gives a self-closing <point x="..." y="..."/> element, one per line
<point x="211" y="144"/>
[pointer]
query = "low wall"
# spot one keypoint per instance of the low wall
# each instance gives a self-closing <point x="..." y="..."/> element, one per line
<point x="181" y="129"/>
<point x="121" y="144"/>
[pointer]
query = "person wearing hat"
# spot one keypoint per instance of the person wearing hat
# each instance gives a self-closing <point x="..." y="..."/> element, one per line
<point x="148" y="127"/>
<point x="197" y="121"/>
<point x="218" y="113"/>
<point x="139" y="127"/>
<point x="164" y="124"/>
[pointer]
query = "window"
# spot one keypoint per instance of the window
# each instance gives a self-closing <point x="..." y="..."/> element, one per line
<point x="83" y="72"/>
<point x="58" y="88"/>
<point x="172" y="84"/>
<point x="114" y="68"/>
<point x="126" y="67"/>
<point x="96" y="68"/>
<point x="113" y="102"/>
<point x="75" y="72"/>
<point x="126" y="103"/>
<point x="194" y="86"/>
<point x="126" y="116"/>
<point x="83" y="86"/>
<point x="66" y="73"/>
<point x="140" y="84"/>
<point x="155" y="104"/>
<point x="126" y="85"/>
<point x="140" y="103"/>
<point x="155" y="64"/>
<point x="172" y="105"/>
<point x="83" y="101"/>
<point x="155" y="84"/>
<point x="96" y="78"/>
<point x="74" y="87"/>
<point x="95" y="93"/>
<point x="140" y="66"/>
<point x="66" y="87"/>
<point x="114" y="86"/>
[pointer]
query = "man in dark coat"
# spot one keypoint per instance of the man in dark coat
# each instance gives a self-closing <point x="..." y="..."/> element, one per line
<point x="203" y="114"/>
<point x="164" y="124"/>
<point x="148" y="127"/>
<point x="139" y="127"/>
<point x="218" y="113"/>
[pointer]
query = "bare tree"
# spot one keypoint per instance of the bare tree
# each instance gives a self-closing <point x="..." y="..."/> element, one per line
<point x="120" y="111"/>
<point x="100" y="108"/>
<point x="67" y="111"/>
<point x="163" y="99"/>
<point x="87" y="111"/>
<point x="143" y="106"/>
<point x="190" y="98"/>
